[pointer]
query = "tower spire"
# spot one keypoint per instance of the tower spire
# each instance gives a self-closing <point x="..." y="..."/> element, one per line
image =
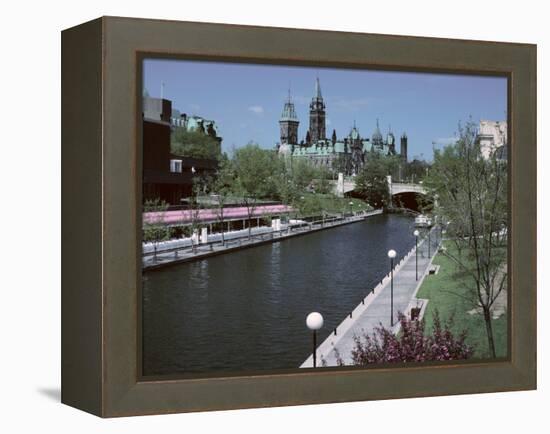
<point x="289" y="99"/>
<point x="317" y="115"/>
<point x="377" y="139"/>
<point x="318" y="88"/>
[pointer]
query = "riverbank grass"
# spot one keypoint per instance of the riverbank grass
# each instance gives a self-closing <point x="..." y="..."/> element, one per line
<point x="449" y="292"/>
<point x="316" y="203"/>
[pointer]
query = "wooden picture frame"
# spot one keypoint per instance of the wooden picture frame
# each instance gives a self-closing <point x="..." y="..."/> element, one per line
<point x="101" y="183"/>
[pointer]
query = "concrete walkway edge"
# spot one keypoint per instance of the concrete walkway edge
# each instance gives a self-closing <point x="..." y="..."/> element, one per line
<point x="350" y="322"/>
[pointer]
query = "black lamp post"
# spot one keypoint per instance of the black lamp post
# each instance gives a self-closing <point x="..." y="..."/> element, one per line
<point x="416" y="233"/>
<point x="429" y="243"/>
<point x="314" y="322"/>
<point x="391" y="255"/>
<point x="351" y="208"/>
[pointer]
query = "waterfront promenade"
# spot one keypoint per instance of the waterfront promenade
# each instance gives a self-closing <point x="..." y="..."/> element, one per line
<point x="209" y="215"/>
<point x="236" y="240"/>
<point x="375" y="308"/>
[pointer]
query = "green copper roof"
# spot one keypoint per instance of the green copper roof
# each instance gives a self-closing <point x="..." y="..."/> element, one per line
<point x="354" y="133"/>
<point x="339" y="147"/>
<point x="367" y="146"/>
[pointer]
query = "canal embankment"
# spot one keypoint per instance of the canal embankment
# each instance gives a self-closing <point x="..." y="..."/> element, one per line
<point x="253" y="302"/>
<point x="181" y="251"/>
<point x="374" y="310"/>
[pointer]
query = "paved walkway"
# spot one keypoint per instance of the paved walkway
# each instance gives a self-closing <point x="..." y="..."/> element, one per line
<point x="376" y="308"/>
<point x="239" y="240"/>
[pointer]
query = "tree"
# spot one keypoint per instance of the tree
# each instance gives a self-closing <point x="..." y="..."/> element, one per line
<point x="154" y="228"/>
<point x="200" y="186"/>
<point x="321" y="183"/>
<point x="255" y="176"/>
<point x="342" y="164"/>
<point x="194" y="144"/>
<point x="299" y="177"/>
<point x="411" y="344"/>
<point x="310" y="205"/>
<point x="471" y="193"/>
<point x="222" y="189"/>
<point x="391" y="164"/>
<point x="287" y="190"/>
<point x="302" y="174"/>
<point x="372" y="182"/>
<point x="415" y="170"/>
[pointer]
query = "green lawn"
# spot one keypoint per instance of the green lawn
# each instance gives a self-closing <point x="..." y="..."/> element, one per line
<point x="441" y="290"/>
<point x="315" y="203"/>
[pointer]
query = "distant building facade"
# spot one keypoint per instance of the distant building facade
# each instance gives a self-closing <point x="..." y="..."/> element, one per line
<point x="195" y="123"/>
<point x="403" y="147"/>
<point x="346" y="155"/>
<point x="493" y="137"/>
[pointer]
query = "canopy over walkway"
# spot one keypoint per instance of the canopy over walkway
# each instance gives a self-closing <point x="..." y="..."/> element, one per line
<point x="210" y="215"/>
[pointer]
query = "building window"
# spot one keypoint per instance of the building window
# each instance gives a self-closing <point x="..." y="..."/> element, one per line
<point x="175" y="166"/>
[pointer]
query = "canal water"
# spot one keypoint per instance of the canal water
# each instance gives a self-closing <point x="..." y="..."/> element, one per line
<point x="246" y="310"/>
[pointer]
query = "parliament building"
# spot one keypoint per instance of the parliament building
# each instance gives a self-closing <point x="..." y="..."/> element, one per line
<point x="346" y="155"/>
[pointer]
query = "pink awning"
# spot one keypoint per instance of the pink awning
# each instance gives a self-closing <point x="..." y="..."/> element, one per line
<point x="211" y="214"/>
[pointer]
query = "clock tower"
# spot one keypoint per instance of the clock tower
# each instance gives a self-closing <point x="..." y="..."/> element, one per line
<point x="317" y="129"/>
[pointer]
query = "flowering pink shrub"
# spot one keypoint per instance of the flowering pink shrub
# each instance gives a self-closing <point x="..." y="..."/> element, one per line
<point x="411" y="344"/>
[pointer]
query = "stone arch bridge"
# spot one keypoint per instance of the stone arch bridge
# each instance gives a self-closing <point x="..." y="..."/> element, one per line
<point x="402" y="193"/>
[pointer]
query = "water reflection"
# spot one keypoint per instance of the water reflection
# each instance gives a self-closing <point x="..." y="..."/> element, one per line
<point x="246" y="310"/>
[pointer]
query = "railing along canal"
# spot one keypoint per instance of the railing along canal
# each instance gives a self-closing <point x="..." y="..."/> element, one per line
<point x="292" y="228"/>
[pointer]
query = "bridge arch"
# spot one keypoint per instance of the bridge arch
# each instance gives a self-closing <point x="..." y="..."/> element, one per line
<point x="410" y="200"/>
<point x="404" y="195"/>
<point x="409" y="196"/>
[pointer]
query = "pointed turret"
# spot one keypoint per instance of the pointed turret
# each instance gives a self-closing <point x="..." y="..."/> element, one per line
<point x="289" y="112"/>
<point x="354" y="133"/>
<point x="289" y="123"/>
<point x="318" y="89"/>
<point x="377" y="139"/>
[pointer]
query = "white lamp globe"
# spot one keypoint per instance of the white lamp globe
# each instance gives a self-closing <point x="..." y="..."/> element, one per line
<point x="314" y="321"/>
<point x="391" y="254"/>
<point x="416" y="233"/>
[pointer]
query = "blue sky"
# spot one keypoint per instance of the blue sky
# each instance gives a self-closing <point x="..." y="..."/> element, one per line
<point x="246" y="100"/>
